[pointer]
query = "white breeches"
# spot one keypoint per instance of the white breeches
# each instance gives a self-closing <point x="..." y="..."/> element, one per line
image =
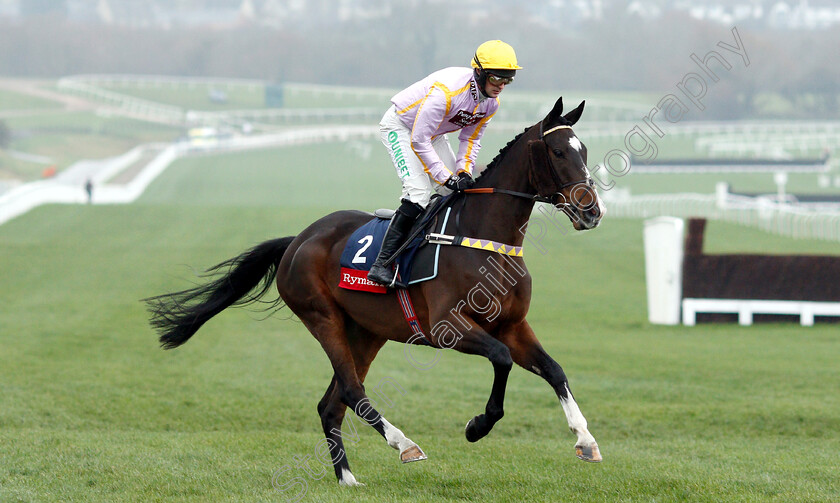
<point x="417" y="183"/>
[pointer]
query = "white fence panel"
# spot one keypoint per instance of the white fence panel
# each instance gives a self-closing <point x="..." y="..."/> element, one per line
<point x="663" y="237"/>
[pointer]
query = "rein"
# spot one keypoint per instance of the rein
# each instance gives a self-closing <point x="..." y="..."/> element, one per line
<point x="492" y="245"/>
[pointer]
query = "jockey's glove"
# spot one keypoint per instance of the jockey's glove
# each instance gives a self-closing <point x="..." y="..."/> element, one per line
<point x="459" y="182"/>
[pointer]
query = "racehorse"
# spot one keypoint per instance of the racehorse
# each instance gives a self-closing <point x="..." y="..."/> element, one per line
<point x="545" y="163"/>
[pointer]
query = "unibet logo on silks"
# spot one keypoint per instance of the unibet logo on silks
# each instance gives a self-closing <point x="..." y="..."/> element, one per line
<point x="399" y="160"/>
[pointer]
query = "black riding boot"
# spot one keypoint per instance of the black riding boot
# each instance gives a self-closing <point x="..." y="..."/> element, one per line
<point x="400" y="224"/>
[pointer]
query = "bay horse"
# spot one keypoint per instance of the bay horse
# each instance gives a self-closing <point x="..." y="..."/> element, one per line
<point x="546" y="163"/>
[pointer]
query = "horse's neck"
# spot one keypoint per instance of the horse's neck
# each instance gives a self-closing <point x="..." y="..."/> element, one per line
<point x="501" y="217"/>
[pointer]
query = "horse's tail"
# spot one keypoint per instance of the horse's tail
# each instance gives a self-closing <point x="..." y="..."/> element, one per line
<point x="239" y="281"/>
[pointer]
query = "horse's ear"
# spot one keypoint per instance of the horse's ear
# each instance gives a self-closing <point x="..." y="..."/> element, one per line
<point x="557" y="111"/>
<point x="575" y="114"/>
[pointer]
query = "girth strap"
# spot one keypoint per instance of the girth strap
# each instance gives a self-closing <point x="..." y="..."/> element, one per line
<point x="417" y="335"/>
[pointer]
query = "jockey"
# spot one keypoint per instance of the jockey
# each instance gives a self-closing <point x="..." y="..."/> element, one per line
<point x="414" y="130"/>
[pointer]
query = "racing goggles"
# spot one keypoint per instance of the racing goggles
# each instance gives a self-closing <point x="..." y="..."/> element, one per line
<point x="497" y="80"/>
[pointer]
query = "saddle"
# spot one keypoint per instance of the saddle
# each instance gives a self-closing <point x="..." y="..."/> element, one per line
<point x="418" y="260"/>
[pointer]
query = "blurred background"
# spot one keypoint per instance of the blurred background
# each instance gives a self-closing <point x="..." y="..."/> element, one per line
<point x="641" y="45"/>
<point x="197" y="128"/>
<point x="116" y="73"/>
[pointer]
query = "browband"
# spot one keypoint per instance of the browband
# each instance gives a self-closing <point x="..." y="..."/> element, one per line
<point x="555" y="128"/>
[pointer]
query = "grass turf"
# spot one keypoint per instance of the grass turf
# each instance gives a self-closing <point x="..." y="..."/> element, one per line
<point x="92" y="410"/>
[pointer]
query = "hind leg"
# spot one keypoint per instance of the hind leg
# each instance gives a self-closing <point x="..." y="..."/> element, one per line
<point x="350" y="363"/>
<point x="332" y="410"/>
<point x="364" y="347"/>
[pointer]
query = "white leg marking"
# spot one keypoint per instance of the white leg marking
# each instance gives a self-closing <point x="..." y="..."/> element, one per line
<point x="347" y="479"/>
<point x="395" y="437"/>
<point x="577" y="423"/>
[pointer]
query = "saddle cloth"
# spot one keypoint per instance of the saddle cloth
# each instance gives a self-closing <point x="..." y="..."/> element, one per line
<point x="417" y="263"/>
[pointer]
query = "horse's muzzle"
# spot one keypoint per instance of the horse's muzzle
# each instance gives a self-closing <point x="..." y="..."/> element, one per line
<point x="588" y="217"/>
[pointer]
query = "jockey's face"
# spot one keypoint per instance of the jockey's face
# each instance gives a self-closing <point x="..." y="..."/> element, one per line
<point x="493" y="90"/>
<point x="495" y="84"/>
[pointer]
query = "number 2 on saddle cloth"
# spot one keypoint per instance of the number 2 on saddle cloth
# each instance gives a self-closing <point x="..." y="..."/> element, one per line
<point x="418" y="261"/>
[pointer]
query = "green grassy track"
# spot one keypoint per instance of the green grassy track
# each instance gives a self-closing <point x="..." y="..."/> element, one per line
<point x="197" y="96"/>
<point x="92" y="410"/>
<point x="67" y="137"/>
<point x="10" y="101"/>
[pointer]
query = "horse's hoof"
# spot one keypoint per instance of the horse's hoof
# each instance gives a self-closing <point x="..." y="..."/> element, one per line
<point x="469" y="431"/>
<point x="588" y="453"/>
<point x="413" y="453"/>
<point x="347" y="479"/>
<point x="472" y="432"/>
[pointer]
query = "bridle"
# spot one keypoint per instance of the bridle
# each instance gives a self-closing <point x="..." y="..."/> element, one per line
<point x="553" y="198"/>
<point x="559" y="183"/>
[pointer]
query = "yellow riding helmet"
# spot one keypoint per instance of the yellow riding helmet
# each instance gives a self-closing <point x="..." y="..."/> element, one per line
<point x="495" y="55"/>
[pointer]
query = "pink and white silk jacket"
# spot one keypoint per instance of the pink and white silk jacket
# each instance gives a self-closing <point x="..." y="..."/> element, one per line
<point x="445" y="101"/>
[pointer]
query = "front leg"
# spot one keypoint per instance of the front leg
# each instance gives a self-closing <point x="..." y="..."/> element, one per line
<point x="527" y="352"/>
<point x="479" y="342"/>
<point x="479" y="426"/>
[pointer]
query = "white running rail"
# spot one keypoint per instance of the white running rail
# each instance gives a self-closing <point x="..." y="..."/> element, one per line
<point x="69" y="186"/>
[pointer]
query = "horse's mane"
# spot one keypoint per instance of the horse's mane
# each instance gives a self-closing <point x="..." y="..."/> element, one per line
<point x="504" y="150"/>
